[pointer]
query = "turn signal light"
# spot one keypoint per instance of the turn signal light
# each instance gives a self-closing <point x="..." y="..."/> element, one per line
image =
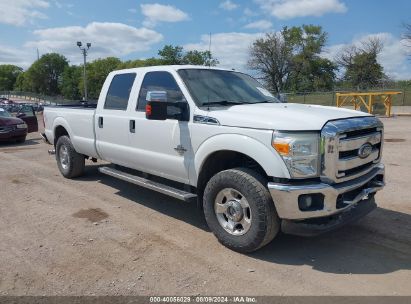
<point x="282" y="147"/>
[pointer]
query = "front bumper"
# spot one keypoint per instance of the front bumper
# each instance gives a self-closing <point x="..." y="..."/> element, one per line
<point x="337" y="198"/>
<point x="13" y="134"/>
<point x="313" y="227"/>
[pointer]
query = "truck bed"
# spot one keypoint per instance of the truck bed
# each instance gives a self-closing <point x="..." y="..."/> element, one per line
<point x="78" y="120"/>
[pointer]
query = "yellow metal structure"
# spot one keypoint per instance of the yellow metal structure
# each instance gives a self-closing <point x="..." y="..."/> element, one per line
<point x="367" y="99"/>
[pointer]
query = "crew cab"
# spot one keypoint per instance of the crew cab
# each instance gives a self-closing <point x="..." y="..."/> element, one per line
<point x="219" y="138"/>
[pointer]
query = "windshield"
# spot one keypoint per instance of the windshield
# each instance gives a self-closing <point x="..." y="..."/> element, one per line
<point x="4" y="113"/>
<point x="224" y="87"/>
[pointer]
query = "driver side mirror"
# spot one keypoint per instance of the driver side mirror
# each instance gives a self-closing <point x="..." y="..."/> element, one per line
<point x="158" y="108"/>
<point x="21" y="115"/>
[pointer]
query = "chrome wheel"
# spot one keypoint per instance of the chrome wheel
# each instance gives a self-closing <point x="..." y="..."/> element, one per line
<point x="233" y="211"/>
<point x="64" y="157"/>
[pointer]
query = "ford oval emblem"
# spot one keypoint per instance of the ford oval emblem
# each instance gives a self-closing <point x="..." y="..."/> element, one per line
<point x="365" y="150"/>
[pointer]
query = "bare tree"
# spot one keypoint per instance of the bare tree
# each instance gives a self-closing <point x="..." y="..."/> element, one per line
<point x="271" y="57"/>
<point x="372" y="46"/>
<point x="291" y="60"/>
<point x="406" y="37"/>
<point x="362" y="69"/>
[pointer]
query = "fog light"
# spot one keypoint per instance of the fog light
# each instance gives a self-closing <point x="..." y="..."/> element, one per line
<point x="305" y="202"/>
<point x="311" y="202"/>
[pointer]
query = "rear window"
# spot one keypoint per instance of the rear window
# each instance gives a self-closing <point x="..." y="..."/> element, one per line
<point x="119" y="92"/>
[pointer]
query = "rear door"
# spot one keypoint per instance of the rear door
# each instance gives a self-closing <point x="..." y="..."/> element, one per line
<point x="112" y="119"/>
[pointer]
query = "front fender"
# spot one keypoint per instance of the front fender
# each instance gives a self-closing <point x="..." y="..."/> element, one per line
<point x="266" y="157"/>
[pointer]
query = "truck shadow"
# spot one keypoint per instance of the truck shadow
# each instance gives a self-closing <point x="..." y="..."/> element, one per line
<point x="183" y="211"/>
<point x="380" y="243"/>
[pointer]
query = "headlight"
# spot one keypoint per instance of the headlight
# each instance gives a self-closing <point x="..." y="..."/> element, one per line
<point x="299" y="152"/>
<point x="22" y="126"/>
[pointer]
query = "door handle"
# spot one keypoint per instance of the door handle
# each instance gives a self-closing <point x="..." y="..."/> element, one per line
<point x="132" y="126"/>
<point x="100" y="122"/>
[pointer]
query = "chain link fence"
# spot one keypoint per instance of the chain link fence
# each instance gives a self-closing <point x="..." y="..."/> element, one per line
<point x="329" y="98"/>
<point x="36" y="98"/>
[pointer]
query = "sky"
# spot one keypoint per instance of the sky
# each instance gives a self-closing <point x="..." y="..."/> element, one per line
<point x="130" y="29"/>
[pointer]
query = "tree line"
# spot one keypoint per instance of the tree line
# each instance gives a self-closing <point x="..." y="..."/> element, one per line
<point x="290" y="60"/>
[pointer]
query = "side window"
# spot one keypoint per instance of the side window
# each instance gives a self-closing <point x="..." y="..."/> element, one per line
<point x="119" y="91"/>
<point x="159" y="81"/>
<point x="27" y="110"/>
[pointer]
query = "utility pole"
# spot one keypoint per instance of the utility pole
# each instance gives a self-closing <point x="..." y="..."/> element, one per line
<point x="84" y="51"/>
<point x="209" y="52"/>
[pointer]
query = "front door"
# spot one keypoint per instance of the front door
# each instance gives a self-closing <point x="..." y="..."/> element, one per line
<point x="162" y="148"/>
<point x="27" y="114"/>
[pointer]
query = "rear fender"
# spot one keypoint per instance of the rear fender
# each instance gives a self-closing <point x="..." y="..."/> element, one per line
<point x="60" y="122"/>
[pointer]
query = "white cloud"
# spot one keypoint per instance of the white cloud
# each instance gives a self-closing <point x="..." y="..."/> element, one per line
<point x="17" y="56"/>
<point x="63" y="5"/>
<point x="249" y="13"/>
<point x="259" y="25"/>
<point x="394" y="56"/>
<point x="228" y="5"/>
<point x="19" y="12"/>
<point x="231" y="49"/>
<point x="287" y="9"/>
<point x="132" y="10"/>
<point x="108" y="39"/>
<point x="155" y="13"/>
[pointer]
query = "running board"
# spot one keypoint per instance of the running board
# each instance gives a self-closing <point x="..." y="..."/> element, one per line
<point x="149" y="184"/>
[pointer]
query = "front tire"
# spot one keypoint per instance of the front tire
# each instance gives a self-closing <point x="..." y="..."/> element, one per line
<point x="239" y="210"/>
<point x="70" y="163"/>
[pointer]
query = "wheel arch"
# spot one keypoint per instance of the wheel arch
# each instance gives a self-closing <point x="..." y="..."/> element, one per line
<point x="60" y="128"/>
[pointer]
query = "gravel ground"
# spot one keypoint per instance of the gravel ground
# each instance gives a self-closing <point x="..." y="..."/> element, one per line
<point x="100" y="236"/>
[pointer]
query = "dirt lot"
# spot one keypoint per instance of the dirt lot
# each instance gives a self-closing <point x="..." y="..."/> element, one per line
<point x="97" y="235"/>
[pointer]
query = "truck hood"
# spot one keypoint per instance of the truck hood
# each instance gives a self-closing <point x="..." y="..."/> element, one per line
<point x="10" y="121"/>
<point x="280" y="116"/>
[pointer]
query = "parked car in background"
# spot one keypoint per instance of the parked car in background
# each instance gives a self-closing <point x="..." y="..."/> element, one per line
<point x="28" y="115"/>
<point x="37" y="107"/>
<point x="4" y="100"/>
<point x="16" y="128"/>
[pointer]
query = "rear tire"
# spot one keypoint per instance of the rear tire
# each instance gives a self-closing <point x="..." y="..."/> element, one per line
<point x="239" y="210"/>
<point x="70" y="163"/>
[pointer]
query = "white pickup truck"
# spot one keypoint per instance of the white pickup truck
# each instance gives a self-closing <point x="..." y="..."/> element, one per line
<point x="217" y="137"/>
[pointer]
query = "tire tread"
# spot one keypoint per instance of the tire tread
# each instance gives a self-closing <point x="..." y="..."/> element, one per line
<point x="268" y="221"/>
<point x="77" y="161"/>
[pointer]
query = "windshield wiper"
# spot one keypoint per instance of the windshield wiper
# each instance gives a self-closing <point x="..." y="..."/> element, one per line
<point x="223" y="103"/>
<point x="266" y="101"/>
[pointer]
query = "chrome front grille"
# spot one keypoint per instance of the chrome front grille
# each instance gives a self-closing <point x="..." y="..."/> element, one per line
<point x="350" y="148"/>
